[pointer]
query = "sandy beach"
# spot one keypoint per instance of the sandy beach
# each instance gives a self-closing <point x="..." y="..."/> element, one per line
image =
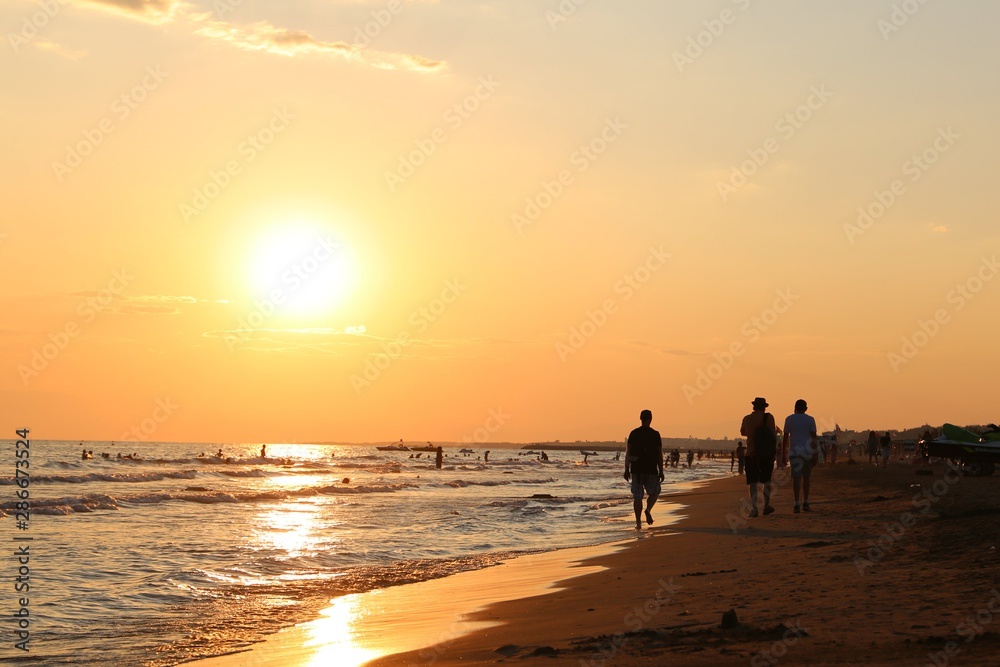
<point x="890" y="567"/>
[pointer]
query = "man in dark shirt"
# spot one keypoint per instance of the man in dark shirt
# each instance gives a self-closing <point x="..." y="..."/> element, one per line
<point x="644" y="466"/>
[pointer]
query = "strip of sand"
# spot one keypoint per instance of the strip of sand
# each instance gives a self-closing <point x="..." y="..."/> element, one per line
<point x="888" y="568"/>
<point x="408" y="619"/>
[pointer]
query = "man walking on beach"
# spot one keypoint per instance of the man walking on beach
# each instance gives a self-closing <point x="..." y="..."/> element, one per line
<point x="644" y="466"/>
<point x="761" y="434"/>
<point x="800" y="441"/>
<point x="886" y="442"/>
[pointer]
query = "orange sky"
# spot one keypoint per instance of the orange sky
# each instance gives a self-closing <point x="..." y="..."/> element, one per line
<point x="354" y="220"/>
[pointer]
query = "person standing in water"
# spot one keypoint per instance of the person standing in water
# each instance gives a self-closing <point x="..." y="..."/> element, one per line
<point x="263" y="451"/>
<point x="439" y="459"/>
<point x="644" y="466"/>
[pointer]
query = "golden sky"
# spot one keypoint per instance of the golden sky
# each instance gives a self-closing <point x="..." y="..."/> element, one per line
<point x="362" y="220"/>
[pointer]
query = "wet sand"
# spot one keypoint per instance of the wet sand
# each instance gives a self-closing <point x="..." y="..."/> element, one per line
<point x="880" y="572"/>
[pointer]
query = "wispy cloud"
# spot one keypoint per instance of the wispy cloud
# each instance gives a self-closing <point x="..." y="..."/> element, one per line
<point x="149" y="11"/>
<point x="262" y="36"/>
<point x="141" y="304"/>
<point x="59" y="49"/>
<point x="265" y="37"/>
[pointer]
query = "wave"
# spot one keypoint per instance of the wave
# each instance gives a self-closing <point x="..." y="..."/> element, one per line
<point x="91" y="502"/>
<point x="462" y="483"/>
<point x="106" y="477"/>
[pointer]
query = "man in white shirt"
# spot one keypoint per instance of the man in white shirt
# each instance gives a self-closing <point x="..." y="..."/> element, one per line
<point x="800" y="440"/>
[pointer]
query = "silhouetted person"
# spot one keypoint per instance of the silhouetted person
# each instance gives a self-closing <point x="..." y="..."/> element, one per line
<point x="886" y="448"/>
<point x="872" y="445"/>
<point x="263" y="451"/>
<point x="486" y="456"/>
<point x="800" y="439"/>
<point x="761" y="434"/>
<point x="644" y="466"/>
<point x="741" y="451"/>
<point x="439" y="459"/>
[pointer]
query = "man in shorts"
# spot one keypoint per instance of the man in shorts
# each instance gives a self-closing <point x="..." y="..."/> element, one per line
<point x="886" y="443"/>
<point x="800" y="440"/>
<point x="644" y="466"/>
<point x="761" y="434"/>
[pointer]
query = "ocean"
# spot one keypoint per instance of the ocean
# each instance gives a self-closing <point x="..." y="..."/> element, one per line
<point x="175" y="556"/>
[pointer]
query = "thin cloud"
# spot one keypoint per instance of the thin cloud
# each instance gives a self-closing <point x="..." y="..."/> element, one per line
<point x="59" y="49"/>
<point x="262" y="36"/>
<point x="148" y="11"/>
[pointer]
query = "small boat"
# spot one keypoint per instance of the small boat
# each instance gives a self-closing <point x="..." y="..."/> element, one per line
<point x="979" y="454"/>
<point x="393" y="448"/>
<point x="466" y="450"/>
<point x="424" y="448"/>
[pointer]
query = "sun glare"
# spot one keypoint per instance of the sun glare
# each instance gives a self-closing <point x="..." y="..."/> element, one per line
<point x="300" y="269"/>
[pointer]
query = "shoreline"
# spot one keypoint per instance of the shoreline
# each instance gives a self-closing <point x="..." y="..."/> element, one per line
<point x="891" y="567"/>
<point x="390" y="627"/>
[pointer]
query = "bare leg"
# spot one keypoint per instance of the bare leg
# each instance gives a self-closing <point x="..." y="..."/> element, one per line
<point x="805" y="490"/>
<point x="796" y="486"/>
<point x="637" y="506"/>
<point x="649" y="505"/>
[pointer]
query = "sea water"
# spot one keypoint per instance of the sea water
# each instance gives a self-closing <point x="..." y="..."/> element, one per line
<point x="177" y="554"/>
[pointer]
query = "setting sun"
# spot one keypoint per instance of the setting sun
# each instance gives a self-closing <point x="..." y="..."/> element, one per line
<point x="301" y="269"/>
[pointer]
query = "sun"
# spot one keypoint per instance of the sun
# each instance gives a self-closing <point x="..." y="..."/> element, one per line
<point x="301" y="269"/>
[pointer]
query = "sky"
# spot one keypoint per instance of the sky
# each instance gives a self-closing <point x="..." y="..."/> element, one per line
<point x="354" y="220"/>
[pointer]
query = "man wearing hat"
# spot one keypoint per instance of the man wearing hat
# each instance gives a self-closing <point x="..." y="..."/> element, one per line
<point x="760" y="432"/>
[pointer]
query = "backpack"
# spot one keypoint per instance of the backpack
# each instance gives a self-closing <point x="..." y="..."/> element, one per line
<point x="764" y="438"/>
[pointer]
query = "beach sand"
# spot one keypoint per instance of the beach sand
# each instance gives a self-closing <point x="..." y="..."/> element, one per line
<point x="880" y="572"/>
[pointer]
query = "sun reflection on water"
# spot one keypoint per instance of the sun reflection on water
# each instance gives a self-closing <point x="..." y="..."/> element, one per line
<point x="334" y="636"/>
<point x="290" y="527"/>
